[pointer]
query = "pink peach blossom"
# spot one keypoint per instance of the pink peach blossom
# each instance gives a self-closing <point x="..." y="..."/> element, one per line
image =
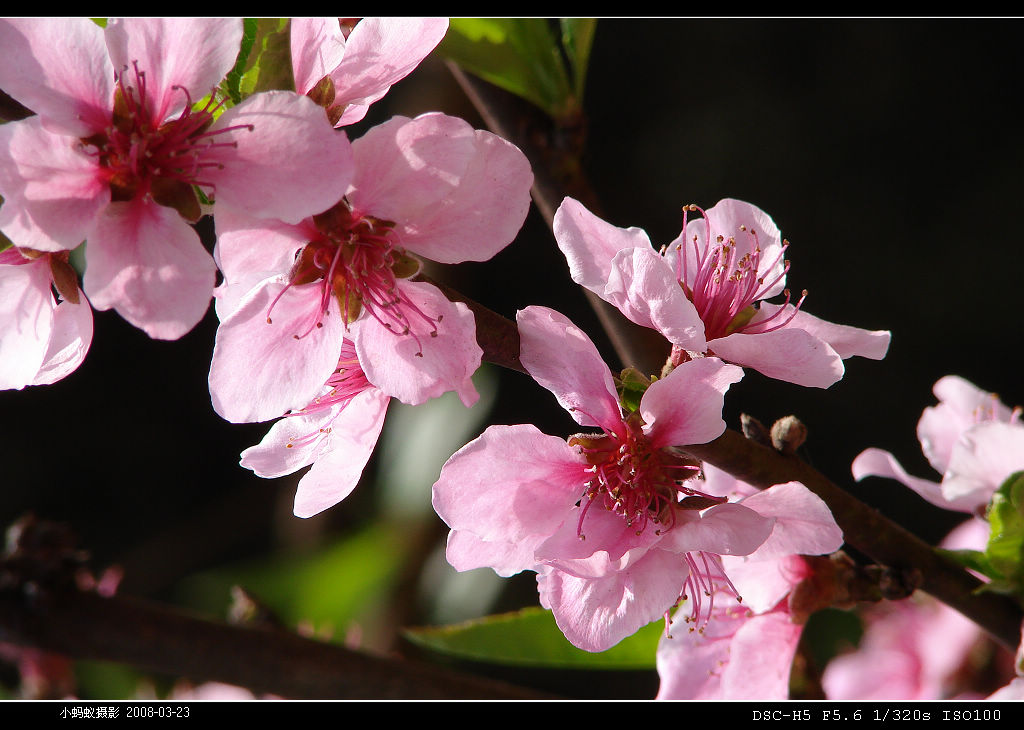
<point x="335" y="433"/>
<point x="715" y="660"/>
<point x="118" y="148"/>
<point x="910" y="649"/>
<point x="42" y="338"/>
<point x="362" y="57"/>
<point x="611" y="522"/>
<point x="707" y="290"/>
<point x="969" y="437"/>
<point x="431" y="186"/>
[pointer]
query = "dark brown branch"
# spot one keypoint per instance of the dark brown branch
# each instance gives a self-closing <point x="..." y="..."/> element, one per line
<point x="154" y="638"/>
<point x="557" y="173"/>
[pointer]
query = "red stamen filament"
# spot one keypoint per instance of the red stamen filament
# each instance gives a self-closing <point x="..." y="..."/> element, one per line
<point x="726" y="284"/>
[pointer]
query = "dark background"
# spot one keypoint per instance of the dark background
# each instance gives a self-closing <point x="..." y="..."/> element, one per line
<point x="887" y="151"/>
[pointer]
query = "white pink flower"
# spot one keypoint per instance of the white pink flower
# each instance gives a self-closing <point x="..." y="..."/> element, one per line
<point x="335" y="433"/>
<point x="360" y="58"/>
<point x="430" y="186"/>
<point x="745" y="650"/>
<point x="117" y="149"/>
<point x="706" y="291"/>
<point x="611" y="521"/>
<point x="43" y="336"/>
<point x="969" y="437"/>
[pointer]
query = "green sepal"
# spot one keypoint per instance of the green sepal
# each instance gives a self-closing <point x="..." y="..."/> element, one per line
<point x="530" y="637"/>
<point x="631" y="386"/>
<point x="742" y="319"/>
<point x="1005" y="549"/>
<point x="1002" y="561"/>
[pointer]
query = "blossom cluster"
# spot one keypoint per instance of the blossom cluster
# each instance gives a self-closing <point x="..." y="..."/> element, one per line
<point x="322" y="317"/>
<point x="915" y="650"/>
<point x="325" y="316"/>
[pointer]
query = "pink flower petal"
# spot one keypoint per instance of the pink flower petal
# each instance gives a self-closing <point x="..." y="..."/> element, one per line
<point x="69" y="342"/>
<point x="193" y="53"/>
<point x="379" y="53"/>
<point x="845" y="340"/>
<point x="512" y="484"/>
<point x="767" y="642"/>
<point x="690" y="662"/>
<point x="590" y="244"/>
<point x="560" y="357"/>
<point x="716" y="664"/>
<point x="788" y="354"/>
<point x="597" y="613"/>
<point x="291" y="443"/>
<point x="421" y="365"/>
<point x="984" y="457"/>
<point x="148" y="264"/>
<point x="261" y="246"/>
<point x="726" y="529"/>
<point x="722" y="484"/>
<point x="58" y="68"/>
<point x="455" y="193"/>
<point x="603" y="543"/>
<point x="644" y="289"/>
<point x="337" y="469"/>
<point x="961" y="405"/>
<point x="803" y="522"/>
<point x="763" y="583"/>
<point x="729" y="217"/>
<point x="262" y="370"/>
<point x="317" y="46"/>
<point x="879" y="463"/>
<point x="289" y="166"/>
<point x="26" y="322"/>
<point x="686" y="406"/>
<point x="53" y="190"/>
<point x="466" y="551"/>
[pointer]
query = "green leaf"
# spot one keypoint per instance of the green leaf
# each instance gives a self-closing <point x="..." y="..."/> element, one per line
<point x="973" y="559"/>
<point x="521" y="55"/>
<point x="269" y="63"/>
<point x="345" y="583"/>
<point x="530" y="637"/>
<point x="1005" y="549"/>
<point x="577" y="39"/>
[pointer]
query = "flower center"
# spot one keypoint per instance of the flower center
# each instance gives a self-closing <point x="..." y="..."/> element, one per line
<point x="345" y="383"/>
<point x="140" y="154"/>
<point x="631" y="478"/>
<point x="356" y="261"/>
<point x="727" y="284"/>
